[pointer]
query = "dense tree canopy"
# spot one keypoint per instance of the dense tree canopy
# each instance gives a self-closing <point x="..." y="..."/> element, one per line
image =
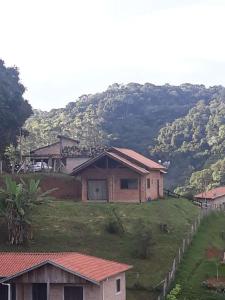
<point x="14" y="110"/>
<point x="123" y="115"/>
<point x="183" y="124"/>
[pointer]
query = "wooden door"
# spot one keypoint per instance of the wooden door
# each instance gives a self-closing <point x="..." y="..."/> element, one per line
<point x="73" y="293"/>
<point x="97" y="190"/>
<point x="39" y="291"/>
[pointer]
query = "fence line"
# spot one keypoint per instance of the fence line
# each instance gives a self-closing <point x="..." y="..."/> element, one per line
<point x="183" y="248"/>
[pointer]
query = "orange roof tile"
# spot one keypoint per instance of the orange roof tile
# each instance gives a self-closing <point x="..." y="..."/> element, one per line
<point x="90" y="267"/>
<point x="139" y="158"/>
<point x="212" y="194"/>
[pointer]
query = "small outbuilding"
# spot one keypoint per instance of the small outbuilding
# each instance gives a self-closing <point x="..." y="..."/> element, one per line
<point x="120" y="175"/>
<point x="213" y="198"/>
<point x="60" y="276"/>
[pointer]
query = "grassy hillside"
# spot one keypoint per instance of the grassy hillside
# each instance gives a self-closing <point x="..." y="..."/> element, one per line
<point x="200" y="262"/>
<point x="72" y="226"/>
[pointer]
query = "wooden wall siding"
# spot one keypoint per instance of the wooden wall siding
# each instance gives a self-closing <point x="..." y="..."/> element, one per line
<point x="49" y="273"/>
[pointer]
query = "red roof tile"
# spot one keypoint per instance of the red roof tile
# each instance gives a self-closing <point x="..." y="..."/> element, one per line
<point x="89" y="267"/>
<point x="139" y="158"/>
<point x="212" y="194"/>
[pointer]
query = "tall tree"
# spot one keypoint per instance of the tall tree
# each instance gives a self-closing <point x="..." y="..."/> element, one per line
<point x="14" y="109"/>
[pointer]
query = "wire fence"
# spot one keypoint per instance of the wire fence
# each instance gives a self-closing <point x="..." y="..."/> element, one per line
<point x="169" y="279"/>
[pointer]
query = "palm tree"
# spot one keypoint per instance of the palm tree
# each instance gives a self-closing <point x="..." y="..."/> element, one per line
<point x="16" y="203"/>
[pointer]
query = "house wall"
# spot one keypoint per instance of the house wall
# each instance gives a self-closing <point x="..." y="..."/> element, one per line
<point x="113" y="177"/>
<point x="56" y="292"/>
<point x="116" y="194"/>
<point x="109" y="288"/>
<point x="214" y="203"/>
<point x="152" y="192"/>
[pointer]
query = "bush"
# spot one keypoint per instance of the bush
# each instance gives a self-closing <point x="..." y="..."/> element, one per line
<point x="114" y="223"/>
<point x="174" y="293"/>
<point x="112" y="226"/>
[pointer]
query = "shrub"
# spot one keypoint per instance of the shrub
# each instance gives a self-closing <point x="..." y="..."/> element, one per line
<point x="174" y="293"/>
<point x="114" y="223"/>
<point x="112" y="226"/>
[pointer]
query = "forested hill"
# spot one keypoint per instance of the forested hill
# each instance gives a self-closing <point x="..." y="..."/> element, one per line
<point x="177" y="118"/>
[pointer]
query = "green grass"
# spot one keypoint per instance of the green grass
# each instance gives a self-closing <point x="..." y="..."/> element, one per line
<point x="196" y="266"/>
<point x="71" y="226"/>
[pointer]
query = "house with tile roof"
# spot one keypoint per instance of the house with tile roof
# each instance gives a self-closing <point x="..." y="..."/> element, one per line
<point x="213" y="198"/>
<point x="60" y="276"/>
<point x="120" y="175"/>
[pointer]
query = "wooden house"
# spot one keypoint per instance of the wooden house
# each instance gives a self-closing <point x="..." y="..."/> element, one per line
<point x="60" y="276"/>
<point x="62" y="156"/>
<point x="120" y="175"/>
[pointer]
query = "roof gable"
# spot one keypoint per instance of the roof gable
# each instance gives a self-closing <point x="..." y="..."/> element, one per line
<point x="136" y="168"/>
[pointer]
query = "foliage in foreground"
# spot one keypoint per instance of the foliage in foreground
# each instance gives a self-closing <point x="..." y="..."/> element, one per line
<point x="16" y="203"/>
<point x="14" y="109"/>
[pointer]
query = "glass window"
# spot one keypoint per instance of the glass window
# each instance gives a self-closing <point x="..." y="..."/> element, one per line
<point x="118" y="286"/>
<point x="148" y="183"/>
<point x="129" y="184"/>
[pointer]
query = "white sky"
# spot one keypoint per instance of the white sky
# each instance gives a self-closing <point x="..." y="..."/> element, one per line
<point x="66" y="48"/>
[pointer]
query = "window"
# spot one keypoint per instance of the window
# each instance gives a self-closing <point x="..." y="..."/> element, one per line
<point x="118" y="286"/>
<point x="129" y="184"/>
<point x="73" y="293"/>
<point x="39" y="291"/>
<point x="148" y="183"/>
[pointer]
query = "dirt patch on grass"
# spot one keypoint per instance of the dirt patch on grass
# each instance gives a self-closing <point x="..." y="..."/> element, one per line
<point x="215" y="284"/>
<point x="214" y="253"/>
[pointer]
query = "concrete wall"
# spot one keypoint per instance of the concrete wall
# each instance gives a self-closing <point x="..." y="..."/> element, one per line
<point x="115" y="193"/>
<point x="109" y="288"/>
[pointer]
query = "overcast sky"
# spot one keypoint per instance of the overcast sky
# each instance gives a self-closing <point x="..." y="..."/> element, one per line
<point x="66" y="48"/>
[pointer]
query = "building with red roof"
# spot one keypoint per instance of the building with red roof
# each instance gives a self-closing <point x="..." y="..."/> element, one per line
<point x="120" y="175"/>
<point x="213" y="198"/>
<point x="60" y="276"/>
